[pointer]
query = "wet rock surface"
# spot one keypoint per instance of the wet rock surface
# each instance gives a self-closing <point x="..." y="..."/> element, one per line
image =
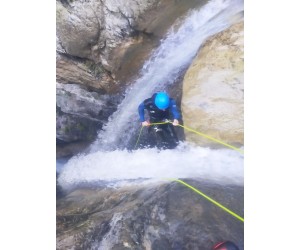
<point x="163" y="216"/>
<point x="102" y="45"/>
<point x="213" y="89"/>
<point x="80" y="113"/>
<point x="115" y="37"/>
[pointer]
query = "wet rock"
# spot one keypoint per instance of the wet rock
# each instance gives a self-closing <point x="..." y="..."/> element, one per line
<point x="165" y="216"/>
<point x="80" y="113"/>
<point x="115" y="37"/>
<point x="84" y="72"/>
<point x="102" y="45"/>
<point x="213" y="89"/>
<point x="68" y="149"/>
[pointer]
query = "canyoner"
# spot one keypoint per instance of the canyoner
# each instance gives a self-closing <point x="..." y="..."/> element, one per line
<point x="160" y="108"/>
<point x="173" y="194"/>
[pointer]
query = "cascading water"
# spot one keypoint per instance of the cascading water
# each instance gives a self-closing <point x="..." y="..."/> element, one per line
<point x="164" y="66"/>
<point x="109" y="160"/>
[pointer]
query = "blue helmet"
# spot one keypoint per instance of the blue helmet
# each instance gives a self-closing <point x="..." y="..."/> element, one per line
<point x="162" y="100"/>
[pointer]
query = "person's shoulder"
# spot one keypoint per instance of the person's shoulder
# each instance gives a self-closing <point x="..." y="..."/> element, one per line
<point x="148" y="101"/>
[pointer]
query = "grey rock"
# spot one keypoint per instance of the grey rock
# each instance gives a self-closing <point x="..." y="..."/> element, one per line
<point x="213" y="89"/>
<point x="168" y="216"/>
<point x="80" y="113"/>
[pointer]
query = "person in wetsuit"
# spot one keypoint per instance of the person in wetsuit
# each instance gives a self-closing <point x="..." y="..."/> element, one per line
<point x="161" y="108"/>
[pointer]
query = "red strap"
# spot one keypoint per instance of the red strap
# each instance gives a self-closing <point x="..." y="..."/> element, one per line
<point x="215" y="247"/>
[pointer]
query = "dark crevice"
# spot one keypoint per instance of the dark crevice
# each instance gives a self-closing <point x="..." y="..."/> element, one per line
<point x="73" y="58"/>
<point x="65" y="3"/>
<point x="90" y="64"/>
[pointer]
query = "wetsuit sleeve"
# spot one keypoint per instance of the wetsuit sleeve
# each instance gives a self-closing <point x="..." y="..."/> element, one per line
<point x="174" y="110"/>
<point x="142" y="112"/>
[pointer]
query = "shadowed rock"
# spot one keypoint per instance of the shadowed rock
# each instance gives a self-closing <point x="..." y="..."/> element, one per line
<point x="165" y="216"/>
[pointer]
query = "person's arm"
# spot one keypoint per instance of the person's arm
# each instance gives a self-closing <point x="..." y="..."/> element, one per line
<point x="141" y="110"/>
<point x="175" y="112"/>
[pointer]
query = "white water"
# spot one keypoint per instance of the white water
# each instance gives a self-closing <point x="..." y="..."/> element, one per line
<point x="165" y="65"/>
<point x="122" y="167"/>
<point x="109" y="163"/>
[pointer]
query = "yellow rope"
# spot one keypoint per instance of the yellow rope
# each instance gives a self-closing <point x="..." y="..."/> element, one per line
<point x="191" y="187"/>
<point x="211" y="138"/>
<point x="157" y="123"/>
<point x="196" y="132"/>
<point x="139" y="137"/>
<point x="210" y="199"/>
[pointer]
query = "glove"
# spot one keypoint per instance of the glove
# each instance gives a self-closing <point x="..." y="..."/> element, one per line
<point x="146" y="123"/>
<point x="175" y="122"/>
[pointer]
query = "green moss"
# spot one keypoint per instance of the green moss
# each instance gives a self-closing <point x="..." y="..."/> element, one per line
<point x="95" y="69"/>
<point x="80" y="127"/>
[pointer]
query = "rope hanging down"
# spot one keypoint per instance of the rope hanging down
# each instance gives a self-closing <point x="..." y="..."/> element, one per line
<point x="196" y="132"/>
<point x="211" y="138"/>
<point x="193" y="188"/>
<point x="210" y="199"/>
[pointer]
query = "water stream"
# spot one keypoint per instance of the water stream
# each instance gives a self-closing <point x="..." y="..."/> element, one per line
<point x="109" y="160"/>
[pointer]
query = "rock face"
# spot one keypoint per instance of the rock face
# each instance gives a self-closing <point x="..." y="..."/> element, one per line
<point x="83" y="72"/>
<point x="166" y="216"/>
<point x="80" y="113"/>
<point x="110" y="33"/>
<point x="102" y="44"/>
<point x="213" y="89"/>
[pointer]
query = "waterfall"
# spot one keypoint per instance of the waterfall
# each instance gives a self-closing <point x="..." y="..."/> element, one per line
<point x="108" y="159"/>
<point x="174" y="53"/>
